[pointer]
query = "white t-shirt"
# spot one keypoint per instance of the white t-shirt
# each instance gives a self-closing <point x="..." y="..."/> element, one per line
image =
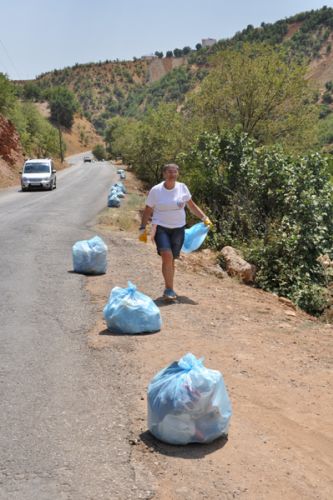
<point x="169" y="204"/>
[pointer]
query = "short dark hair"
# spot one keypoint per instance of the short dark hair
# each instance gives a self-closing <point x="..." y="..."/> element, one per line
<point x="168" y="165"/>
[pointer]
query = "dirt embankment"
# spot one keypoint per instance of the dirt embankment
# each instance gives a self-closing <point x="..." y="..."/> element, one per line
<point x="276" y="361"/>
<point x="11" y="155"/>
<point x="160" y="67"/>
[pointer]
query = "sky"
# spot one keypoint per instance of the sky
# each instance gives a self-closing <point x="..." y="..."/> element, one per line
<point x="37" y="36"/>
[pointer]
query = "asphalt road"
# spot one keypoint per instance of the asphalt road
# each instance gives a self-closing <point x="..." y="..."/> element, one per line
<point x="62" y="422"/>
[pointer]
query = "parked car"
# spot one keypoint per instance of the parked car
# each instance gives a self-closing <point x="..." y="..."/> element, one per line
<point x="87" y="158"/>
<point x="38" y="173"/>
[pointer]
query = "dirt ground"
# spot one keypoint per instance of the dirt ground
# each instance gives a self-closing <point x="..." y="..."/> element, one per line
<point x="276" y="362"/>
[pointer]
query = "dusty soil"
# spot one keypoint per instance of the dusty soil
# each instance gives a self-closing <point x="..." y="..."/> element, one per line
<point x="276" y="362"/>
<point x="81" y="137"/>
<point x="320" y="70"/>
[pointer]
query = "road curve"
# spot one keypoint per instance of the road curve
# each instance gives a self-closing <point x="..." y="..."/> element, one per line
<point x="62" y="432"/>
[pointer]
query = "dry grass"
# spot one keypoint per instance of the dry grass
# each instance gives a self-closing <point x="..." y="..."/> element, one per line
<point x="126" y="217"/>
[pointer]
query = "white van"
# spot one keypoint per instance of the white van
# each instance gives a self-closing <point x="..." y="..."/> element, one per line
<point x="38" y="173"/>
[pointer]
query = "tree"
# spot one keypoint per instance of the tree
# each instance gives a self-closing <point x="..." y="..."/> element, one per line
<point x="148" y="144"/>
<point x="198" y="46"/>
<point x="31" y="91"/>
<point x="186" y="50"/>
<point x="159" y="54"/>
<point x="63" y="105"/>
<point x="169" y="53"/>
<point x="121" y="138"/>
<point x="258" y="89"/>
<point x="99" y="152"/>
<point x="177" y="52"/>
<point x="7" y="95"/>
<point x="38" y="137"/>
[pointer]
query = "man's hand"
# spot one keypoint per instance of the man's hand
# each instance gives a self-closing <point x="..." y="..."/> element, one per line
<point x="143" y="234"/>
<point x="206" y="220"/>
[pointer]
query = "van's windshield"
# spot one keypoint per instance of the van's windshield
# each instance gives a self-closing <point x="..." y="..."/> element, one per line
<point x="36" y="168"/>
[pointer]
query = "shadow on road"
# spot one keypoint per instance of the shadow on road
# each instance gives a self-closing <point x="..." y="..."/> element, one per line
<point x="116" y="334"/>
<point x="181" y="299"/>
<point x="190" y="451"/>
<point x="88" y="275"/>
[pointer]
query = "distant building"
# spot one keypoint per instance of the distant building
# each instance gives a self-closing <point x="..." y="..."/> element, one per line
<point x="208" y="42"/>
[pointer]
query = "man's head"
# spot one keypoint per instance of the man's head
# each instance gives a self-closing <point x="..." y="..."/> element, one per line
<point x="170" y="171"/>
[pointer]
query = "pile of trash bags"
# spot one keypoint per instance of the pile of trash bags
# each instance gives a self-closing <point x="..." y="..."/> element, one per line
<point x="194" y="237"/>
<point x="90" y="256"/>
<point x="188" y="403"/>
<point x="116" y="192"/>
<point x="120" y="186"/>
<point x="121" y="173"/>
<point x="129" y="311"/>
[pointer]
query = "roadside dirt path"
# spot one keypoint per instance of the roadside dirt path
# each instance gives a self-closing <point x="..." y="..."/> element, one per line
<point x="277" y="364"/>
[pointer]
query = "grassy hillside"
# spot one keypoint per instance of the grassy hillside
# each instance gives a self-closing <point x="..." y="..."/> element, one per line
<point x="129" y="88"/>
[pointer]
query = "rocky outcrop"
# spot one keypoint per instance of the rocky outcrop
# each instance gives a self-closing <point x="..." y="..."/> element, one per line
<point x="10" y="145"/>
<point x="236" y="266"/>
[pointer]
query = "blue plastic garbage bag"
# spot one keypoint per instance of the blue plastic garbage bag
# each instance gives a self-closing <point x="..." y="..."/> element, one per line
<point x="120" y="185"/>
<point x="188" y="403"/>
<point x="130" y="311"/>
<point x="113" y="200"/>
<point x="119" y="193"/>
<point x="90" y="256"/>
<point x="194" y="237"/>
<point x="115" y="189"/>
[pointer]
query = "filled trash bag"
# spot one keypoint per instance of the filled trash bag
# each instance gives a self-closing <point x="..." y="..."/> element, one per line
<point x="120" y="194"/>
<point x="130" y="311"/>
<point x="113" y="200"/>
<point x="90" y="256"/>
<point x="120" y="185"/>
<point x="194" y="237"/>
<point x="115" y="189"/>
<point x="188" y="403"/>
<point x="123" y="175"/>
<point x="114" y="192"/>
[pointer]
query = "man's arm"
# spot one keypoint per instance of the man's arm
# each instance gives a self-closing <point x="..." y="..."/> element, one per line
<point x="198" y="212"/>
<point x="195" y="209"/>
<point x="147" y="213"/>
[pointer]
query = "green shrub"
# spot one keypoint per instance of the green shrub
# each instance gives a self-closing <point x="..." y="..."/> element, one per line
<point x="99" y="152"/>
<point x="7" y="94"/>
<point x="278" y="208"/>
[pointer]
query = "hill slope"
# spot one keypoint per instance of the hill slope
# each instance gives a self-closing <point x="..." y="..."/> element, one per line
<point x="128" y="87"/>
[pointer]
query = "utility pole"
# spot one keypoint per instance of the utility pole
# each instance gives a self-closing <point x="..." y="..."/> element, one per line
<point x="60" y="140"/>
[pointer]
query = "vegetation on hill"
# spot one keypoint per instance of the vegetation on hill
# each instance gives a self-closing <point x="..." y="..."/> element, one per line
<point x="113" y="88"/>
<point x="261" y="91"/>
<point x="38" y="137"/>
<point x="276" y="207"/>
